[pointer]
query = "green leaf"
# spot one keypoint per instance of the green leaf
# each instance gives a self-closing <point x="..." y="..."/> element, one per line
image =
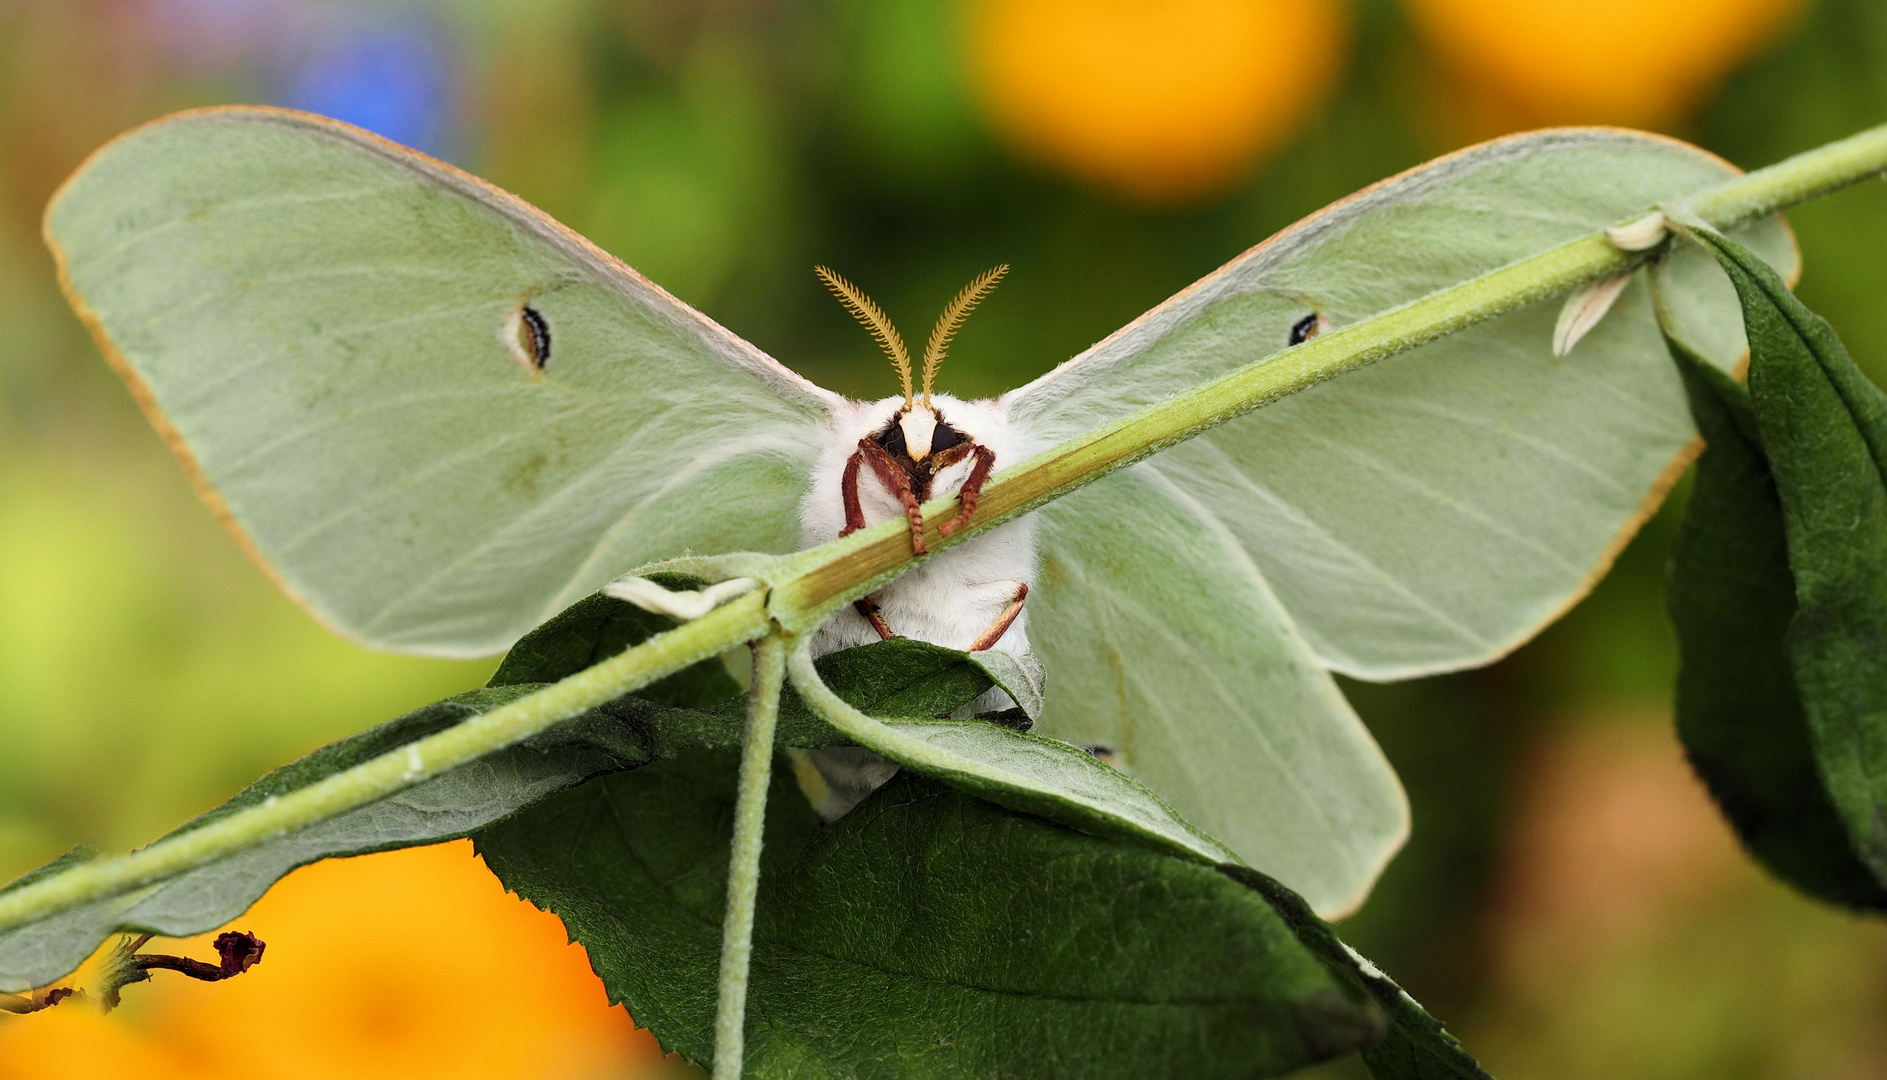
<point x="443" y="808"/>
<point x="899" y="677"/>
<point x="889" y="678"/>
<point x="598" y="627"/>
<point x="1824" y="428"/>
<point x="928" y="933"/>
<point x="83" y="853"/>
<point x="1013" y="769"/>
<point x="1731" y="597"/>
<point x="1415" y="1046"/>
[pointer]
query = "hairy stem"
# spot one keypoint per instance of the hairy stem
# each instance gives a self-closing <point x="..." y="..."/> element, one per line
<point x="807" y="587"/>
<point x="1808" y="175"/>
<point x="1109" y="803"/>
<point x="743" y="864"/>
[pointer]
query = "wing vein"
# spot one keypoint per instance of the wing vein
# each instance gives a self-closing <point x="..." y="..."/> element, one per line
<point x="1256" y="577"/>
<point x="1343" y="547"/>
<point x="395" y="488"/>
<point x="1449" y="502"/>
<point x="260" y="201"/>
<point x="366" y="329"/>
<point x="560" y="599"/>
<point x="236" y="466"/>
<point x="1544" y="447"/>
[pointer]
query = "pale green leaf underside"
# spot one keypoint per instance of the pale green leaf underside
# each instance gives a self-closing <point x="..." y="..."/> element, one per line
<point x="443" y="808"/>
<point x="316" y="314"/>
<point x="1021" y="676"/>
<point x="1432" y="511"/>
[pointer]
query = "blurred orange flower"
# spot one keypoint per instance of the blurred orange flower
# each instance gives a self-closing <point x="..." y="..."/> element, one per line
<point x="405" y="964"/>
<point x="1161" y="100"/>
<point x="1528" y="63"/>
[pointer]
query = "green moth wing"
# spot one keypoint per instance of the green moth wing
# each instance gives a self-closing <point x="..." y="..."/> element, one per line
<point x="1434" y="510"/>
<point x="1170" y="650"/>
<point x="331" y="331"/>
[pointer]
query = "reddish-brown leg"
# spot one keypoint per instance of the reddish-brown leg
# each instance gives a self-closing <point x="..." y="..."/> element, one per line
<point x="943" y="459"/>
<point x="1001" y="625"/>
<point x="848" y="491"/>
<point x="896" y="481"/>
<point x="875" y="617"/>
<point x="971" y="492"/>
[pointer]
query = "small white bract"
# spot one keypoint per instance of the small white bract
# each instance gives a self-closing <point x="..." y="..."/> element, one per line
<point x="1641" y="235"/>
<point x="680" y="606"/>
<point x="1584" y="309"/>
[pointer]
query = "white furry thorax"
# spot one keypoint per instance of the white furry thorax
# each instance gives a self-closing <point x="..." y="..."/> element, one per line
<point x="953" y="595"/>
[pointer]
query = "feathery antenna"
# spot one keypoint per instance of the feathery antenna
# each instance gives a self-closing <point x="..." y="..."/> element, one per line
<point x="874" y="319"/>
<point x="952" y="317"/>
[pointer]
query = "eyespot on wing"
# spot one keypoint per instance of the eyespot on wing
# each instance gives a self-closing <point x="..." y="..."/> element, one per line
<point x="1308" y="327"/>
<point x="526" y="336"/>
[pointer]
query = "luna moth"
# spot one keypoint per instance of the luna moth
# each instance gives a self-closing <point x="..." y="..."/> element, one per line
<point x="436" y="417"/>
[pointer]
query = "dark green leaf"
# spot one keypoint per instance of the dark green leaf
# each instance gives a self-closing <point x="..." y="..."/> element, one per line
<point x="1824" y="430"/>
<point x="598" y="627"/>
<point x="1415" y="1046"/>
<point x="929" y="933"/>
<point x="1731" y="598"/>
<point x="900" y="678"/>
<point x="622" y="735"/>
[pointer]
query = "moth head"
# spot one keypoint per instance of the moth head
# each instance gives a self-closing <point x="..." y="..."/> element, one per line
<point x="918" y="423"/>
<point x="921" y="434"/>
<point x="917" y="419"/>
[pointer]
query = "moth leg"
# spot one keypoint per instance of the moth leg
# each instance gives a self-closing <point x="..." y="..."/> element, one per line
<point x="848" y="491"/>
<point x="869" y="608"/>
<point x="943" y="459"/>
<point x="996" y="629"/>
<point x="893" y="477"/>
<point x="971" y="492"/>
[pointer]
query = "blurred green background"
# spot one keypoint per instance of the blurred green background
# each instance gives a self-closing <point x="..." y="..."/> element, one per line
<point x="1568" y="902"/>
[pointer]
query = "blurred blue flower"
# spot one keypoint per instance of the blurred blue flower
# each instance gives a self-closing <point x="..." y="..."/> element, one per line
<point x="394" y="79"/>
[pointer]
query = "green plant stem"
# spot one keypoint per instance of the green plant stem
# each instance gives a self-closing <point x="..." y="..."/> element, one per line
<point x="868" y="730"/>
<point x="808" y="586"/>
<point x="1014" y="775"/>
<point x="739" y="620"/>
<point x="1808" y="175"/>
<point x="743" y="863"/>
